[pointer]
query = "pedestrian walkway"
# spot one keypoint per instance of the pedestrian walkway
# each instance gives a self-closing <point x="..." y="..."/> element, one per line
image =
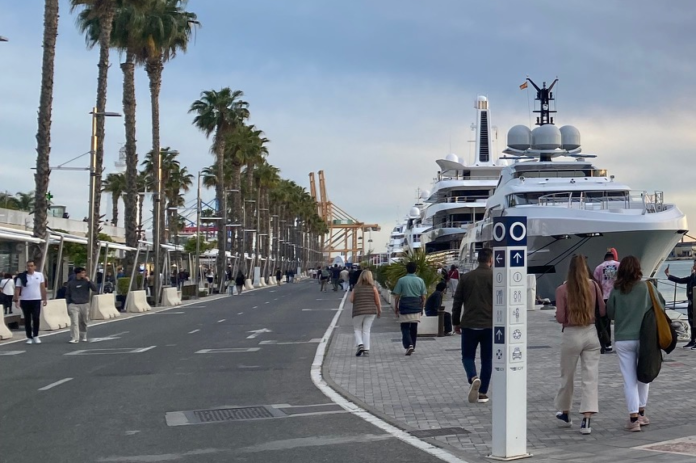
<point x="428" y="391"/>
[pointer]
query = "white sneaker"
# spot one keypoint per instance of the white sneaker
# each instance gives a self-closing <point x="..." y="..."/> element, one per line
<point x="83" y="338"/>
<point x="73" y="341"/>
<point x="474" y="390"/>
<point x="37" y="340"/>
<point x="30" y="341"/>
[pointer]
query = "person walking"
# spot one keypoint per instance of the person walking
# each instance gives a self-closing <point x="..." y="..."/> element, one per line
<point x="279" y="275"/>
<point x="605" y="275"/>
<point x="344" y="279"/>
<point x="335" y="276"/>
<point x="453" y="280"/>
<point x="77" y="297"/>
<point x="690" y="282"/>
<point x="30" y="292"/>
<point x="366" y="306"/>
<point x="576" y="300"/>
<point x="409" y="301"/>
<point x="324" y="279"/>
<point x="627" y="305"/>
<point x="475" y="324"/>
<point x="239" y="282"/>
<point x="7" y="290"/>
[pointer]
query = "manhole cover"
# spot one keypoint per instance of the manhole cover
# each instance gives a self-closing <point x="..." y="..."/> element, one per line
<point x="232" y="414"/>
<point x="538" y="347"/>
<point x="423" y="433"/>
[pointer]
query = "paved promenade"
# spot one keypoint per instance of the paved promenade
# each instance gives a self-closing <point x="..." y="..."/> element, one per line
<point x="428" y="391"/>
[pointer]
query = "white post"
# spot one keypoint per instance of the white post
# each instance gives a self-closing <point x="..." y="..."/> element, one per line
<point x="509" y="382"/>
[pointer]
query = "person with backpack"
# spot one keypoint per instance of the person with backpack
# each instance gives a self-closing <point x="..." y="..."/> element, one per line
<point x="627" y="305"/>
<point x="7" y="290"/>
<point x="30" y="292"/>
<point x="605" y="275"/>
<point x="324" y="279"/>
<point x="576" y="301"/>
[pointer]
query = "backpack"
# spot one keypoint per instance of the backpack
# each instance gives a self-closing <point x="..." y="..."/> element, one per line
<point x="325" y="273"/>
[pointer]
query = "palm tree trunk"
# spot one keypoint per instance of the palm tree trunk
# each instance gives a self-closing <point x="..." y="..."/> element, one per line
<point x="104" y="42"/>
<point x="238" y="216"/>
<point x="43" y="135"/>
<point x="221" y="206"/>
<point x="114" y="209"/>
<point x="154" y="69"/>
<point x="131" y="198"/>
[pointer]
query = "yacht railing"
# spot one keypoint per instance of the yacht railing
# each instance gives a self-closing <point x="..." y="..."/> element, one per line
<point x="452" y="224"/>
<point x="467" y="199"/>
<point x="441" y="177"/>
<point x="647" y="203"/>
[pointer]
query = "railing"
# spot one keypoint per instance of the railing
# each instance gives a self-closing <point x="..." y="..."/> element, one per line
<point x="441" y="177"/>
<point x="641" y="201"/>
<point x="467" y="199"/>
<point x="452" y="224"/>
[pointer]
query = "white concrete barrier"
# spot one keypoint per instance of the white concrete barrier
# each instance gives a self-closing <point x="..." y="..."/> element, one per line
<point x="103" y="307"/>
<point x="136" y="302"/>
<point x="54" y="315"/>
<point x="247" y="284"/>
<point x="428" y="326"/>
<point x="260" y="283"/>
<point x="272" y="280"/>
<point x="5" y="332"/>
<point x="531" y="292"/>
<point x="170" y="297"/>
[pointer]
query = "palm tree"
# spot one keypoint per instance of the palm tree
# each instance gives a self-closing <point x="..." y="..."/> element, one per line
<point x="43" y="135"/>
<point x="8" y="201"/>
<point x="27" y="201"/>
<point x="267" y="178"/>
<point x="220" y="113"/>
<point x="126" y="36"/>
<point x="141" y="188"/>
<point x="115" y="184"/>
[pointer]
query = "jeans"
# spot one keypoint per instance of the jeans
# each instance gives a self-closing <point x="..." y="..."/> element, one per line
<point x="32" y="317"/>
<point x="409" y="333"/>
<point x="470" y="341"/>
<point x="361" y="327"/>
<point x="636" y="392"/>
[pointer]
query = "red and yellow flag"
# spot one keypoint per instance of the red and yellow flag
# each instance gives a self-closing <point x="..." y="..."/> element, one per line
<point x="523" y="86"/>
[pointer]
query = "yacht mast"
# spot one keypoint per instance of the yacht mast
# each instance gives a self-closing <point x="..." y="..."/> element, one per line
<point x="483" y="133"/>
<point x="544" y="96"/>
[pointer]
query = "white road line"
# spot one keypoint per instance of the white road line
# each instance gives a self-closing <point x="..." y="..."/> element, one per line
<point x="240" y="313"/>
<point x="57" y="383"/>
<point x="228" y="350"/>
<point x="256" y="307"/>
<point x="335" y="397"/>
<point x="143" y="349"/>
<point x="194" y="331"/>
<point x="13" y="352"/>
<point x="220" y="321"/>
<point x="267" y="302"/>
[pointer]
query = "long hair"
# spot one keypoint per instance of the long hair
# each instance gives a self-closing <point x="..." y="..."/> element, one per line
<point x="579" y="287"/>
<point x="628" y="275"/>
<point x="365" y="278"/>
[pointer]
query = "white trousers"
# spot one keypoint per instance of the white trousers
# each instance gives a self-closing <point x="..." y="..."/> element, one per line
<point x="361" y="326"/>
<point x="636" y="392"/>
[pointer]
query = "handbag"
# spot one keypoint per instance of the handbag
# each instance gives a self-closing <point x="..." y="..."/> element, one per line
<point x="666" y="334"/>
<point x="601" y="322"/>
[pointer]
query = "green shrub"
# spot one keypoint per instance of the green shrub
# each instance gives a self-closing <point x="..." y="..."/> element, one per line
<point x="426" y="268"/>
<point x="122" y="284"/>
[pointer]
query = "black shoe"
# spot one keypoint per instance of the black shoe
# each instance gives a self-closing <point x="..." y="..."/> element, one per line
<point x="690" y="344"/>
<point x="360" y="351"/>
<point x="585" y="426"/>
<point x="566" y="421"/>
<point x="366" y="353"/>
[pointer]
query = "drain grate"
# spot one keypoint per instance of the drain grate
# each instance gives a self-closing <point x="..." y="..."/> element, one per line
<point x="424" y="433"/>
<point x="538" y="347"/>
<point x="232" y="414"/>
<point x="419" y="339"/>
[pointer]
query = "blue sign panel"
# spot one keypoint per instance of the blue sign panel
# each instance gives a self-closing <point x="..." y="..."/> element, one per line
<point x="517" y="258"/>
<point x="499" y="335"/>
<point x="510" y="231"/>
<point x="499" y="259"/>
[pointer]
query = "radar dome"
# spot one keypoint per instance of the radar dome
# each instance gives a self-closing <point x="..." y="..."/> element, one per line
<point x="425" y="194"/>
<point x="546" y="137"/>
<point x="520" y="137"/>
<point x="452" y="157"/>
<point x="481" y="98"/>
<point x="570" y="136"/>
<point x="414" y="213"/>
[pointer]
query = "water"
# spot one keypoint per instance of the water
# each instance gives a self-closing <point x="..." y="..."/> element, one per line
<point x="678" y="268"/>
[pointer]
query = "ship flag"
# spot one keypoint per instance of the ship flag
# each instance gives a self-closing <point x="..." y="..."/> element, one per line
<point x="523" y="86"/>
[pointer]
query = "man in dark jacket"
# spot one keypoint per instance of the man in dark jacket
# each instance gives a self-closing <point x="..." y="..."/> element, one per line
<point x="77" y="297"/>
<point x="433" y="304"/>
<point x="475" y="291"/>
<point x="690" y="283"/>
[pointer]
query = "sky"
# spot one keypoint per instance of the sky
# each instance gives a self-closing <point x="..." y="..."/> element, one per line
<point x="373" y="92"/>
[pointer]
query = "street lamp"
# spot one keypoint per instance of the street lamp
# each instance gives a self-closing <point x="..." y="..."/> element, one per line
<point x="92" y="230"/>
<point x="157" y="223"/>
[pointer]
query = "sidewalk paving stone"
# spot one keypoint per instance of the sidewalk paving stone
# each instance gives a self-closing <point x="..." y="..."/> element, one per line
<point x="429" y="391"/>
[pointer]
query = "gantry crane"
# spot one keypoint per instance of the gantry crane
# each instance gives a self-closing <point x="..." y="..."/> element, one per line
<point x="346" y="234"/>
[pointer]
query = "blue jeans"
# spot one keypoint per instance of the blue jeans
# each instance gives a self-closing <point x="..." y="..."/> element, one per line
<point x="409" y="334"/>
<point x="470" y="341"/>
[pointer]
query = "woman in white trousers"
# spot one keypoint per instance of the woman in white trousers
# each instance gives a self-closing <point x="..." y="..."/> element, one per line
<point x="366" y="307"/>
<point x="576" y="300"/>
<point x="627" y="304"/>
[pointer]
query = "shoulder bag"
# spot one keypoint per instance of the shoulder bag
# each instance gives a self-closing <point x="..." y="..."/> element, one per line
<point x="666" y="334"/>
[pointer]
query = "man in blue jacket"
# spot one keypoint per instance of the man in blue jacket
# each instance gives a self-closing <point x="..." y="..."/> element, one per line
<point x="690" y="283"/>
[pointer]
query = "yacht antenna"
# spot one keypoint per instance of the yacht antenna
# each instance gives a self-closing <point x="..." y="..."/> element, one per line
<point x="544" y="96"/>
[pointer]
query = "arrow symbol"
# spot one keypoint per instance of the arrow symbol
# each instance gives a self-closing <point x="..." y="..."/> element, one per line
<point x="498" y="334"/>
<point x="498" y="258"/>
<point x="517" y="257"/>
<point x="255" y="333"/>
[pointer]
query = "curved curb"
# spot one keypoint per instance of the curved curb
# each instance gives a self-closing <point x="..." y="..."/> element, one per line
<point x="362" y="410"/>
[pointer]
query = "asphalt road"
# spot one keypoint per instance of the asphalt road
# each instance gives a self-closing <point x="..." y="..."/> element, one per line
<point x="123" y="397"/>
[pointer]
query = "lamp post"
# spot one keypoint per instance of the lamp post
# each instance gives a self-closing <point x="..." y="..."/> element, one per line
<point x="91" y="223"/>
<point x="198" y="234"/>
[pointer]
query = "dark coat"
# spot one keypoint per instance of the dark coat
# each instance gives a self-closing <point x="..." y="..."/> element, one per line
<point x="649" y="355"/>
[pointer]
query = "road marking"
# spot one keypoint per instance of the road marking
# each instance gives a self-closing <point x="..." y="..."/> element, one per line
<point x="109" y="338"/>
<point x="320" y="383"/>
<point x="267" y="302"/>
<point x="57" y="383"/>
<point x="171" y="313"/>
<point x="256" y="333"/>
<point x="13" y="352"/>
<point x="228" y="350"/>
<point x="276" y="343"/>
<point x="318" y="310"/>
<point x="112" y="351"/>
<point x="220" y="321"/>
<point x="240" y="313"/>
<point x="275" y="299"/>
<point x="256" y="307"/>
<point x="194" y="331"/>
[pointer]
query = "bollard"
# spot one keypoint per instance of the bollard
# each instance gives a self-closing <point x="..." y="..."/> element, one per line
<point x="441" y="322"/>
